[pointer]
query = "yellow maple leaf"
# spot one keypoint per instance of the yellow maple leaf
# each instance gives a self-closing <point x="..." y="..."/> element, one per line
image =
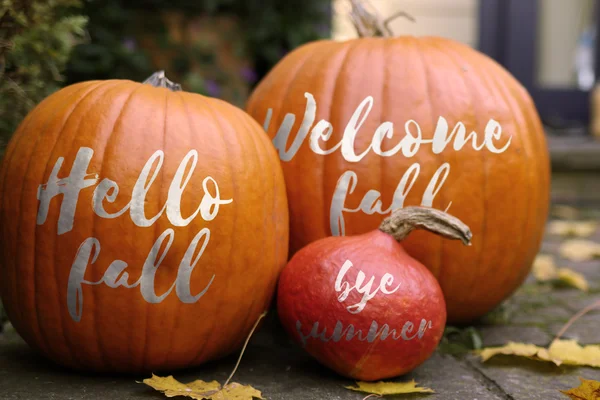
<point x="566" y="212"/>
<point x="572" y="228"/>
<point x="201" y="390"/>
<point x="389" y="388"/>
<point x="588" y="390"/>
<point x="572" y="278"/>
<point x="560" y="352"/>
<point x="213" y="390"/>
<point x="579" y="250"/>
<point x="544" y="270"/>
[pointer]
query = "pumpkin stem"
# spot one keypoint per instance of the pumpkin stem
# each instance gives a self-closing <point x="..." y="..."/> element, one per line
<point x="405" y="220"/>
<point x="370" y="24"/>
<point x="158" y="79"/>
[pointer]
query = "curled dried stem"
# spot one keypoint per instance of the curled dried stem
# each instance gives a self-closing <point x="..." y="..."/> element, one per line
<point x="404" y="220"/>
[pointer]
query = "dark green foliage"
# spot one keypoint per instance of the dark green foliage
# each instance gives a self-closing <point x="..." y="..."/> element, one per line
<point x="460" y="341"/>
<point x="36" y="37"/>
<point x="106" y="54"/>
<point x="271" y="29"/>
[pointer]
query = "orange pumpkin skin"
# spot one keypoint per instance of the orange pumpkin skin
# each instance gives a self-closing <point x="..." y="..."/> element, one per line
<point x="503" y="197"/>
<point x="125" y="123"/>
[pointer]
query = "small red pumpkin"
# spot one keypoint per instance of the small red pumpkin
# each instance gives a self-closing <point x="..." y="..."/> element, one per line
<point x="361" y="305"/>
<point x="141" y="228"/>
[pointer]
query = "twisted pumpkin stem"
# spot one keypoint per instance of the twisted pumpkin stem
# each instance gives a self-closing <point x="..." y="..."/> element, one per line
<point x="370" y="24"/>
<point x="404" y="220"/>
<point x="158" y="79"/>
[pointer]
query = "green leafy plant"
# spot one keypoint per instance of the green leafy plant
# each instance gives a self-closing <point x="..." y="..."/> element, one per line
<point x="270" y="29"/>
<point x="459" y="341"/>
<point x="36" y="37"/>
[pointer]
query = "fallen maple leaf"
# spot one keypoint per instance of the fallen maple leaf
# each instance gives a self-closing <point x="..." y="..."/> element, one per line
<point x="201" y="390"/>
<point x="213" y="390"/>
<point x="579" y="250"/>
<point x="588" y="390"/>
<point x="560" y="352"/>
<point x="572" y="278"/>
<point x="566" y="212"/>
<point x="572" y="228"/>
<point x="544" y="270"/>
<point x="389" y="388"/>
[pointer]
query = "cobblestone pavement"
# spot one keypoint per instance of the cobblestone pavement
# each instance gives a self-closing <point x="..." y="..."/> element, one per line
<point x="282" y="371"/>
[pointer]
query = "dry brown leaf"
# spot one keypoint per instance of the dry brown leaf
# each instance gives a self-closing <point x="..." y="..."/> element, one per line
<point x="389" y="388"/>
<point x="544" y="270"/>
<point x="572" y="228"/>
<point x="588" y="390"/>
<point x="201" y="390"/>
<point x="560" y="352"/>
<point x="579" y="250"/>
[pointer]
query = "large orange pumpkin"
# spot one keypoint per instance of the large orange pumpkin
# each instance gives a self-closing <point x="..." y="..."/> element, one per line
<point x="141" y="228"/>
<point x="339" y="113"/>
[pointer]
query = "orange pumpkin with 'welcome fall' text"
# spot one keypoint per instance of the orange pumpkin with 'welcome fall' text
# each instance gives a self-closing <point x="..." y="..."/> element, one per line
<point x="368" y="125"/>
<point x="141" y="228"/>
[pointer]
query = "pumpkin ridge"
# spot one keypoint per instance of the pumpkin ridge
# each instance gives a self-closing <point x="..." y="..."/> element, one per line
<point x="281" y="113"/>
<point x="108" y="88"/>
<point x="34" y="265"/>
<point x="175" y="322"/>
<point x="523" y="155"/>
<point x="215" y="117"/>
<point x="334" y="115"/>
<point x="345" y="48"/>
<point x="517" y="136"/>
<point x="159" y="188"/>
<point x="384" y="101"/>
<point x="419" y="47"/>
<point x="453" y="56"/>
<point x="15" y="317"/>
<point x="11" y="148"/>
<point x="103" y="159"/>
<point x="265" y="215"/>
<point x="514" y="104"/>
<point x="542" y="171"/>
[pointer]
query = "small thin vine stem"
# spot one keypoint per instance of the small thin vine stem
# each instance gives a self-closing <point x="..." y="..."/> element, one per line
<point x="237" y="364"/>
<point x="575" y="317"/>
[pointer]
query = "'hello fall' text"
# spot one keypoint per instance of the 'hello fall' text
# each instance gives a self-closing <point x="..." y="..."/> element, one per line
<point x="106" y="191"/>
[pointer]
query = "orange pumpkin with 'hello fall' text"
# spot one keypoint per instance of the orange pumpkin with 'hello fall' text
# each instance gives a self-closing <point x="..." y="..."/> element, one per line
<point x="141" y="228"/>
<point x="369" y="125"/>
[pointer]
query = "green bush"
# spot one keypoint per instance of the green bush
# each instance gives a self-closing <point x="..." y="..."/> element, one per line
<point x="36" y="37"/>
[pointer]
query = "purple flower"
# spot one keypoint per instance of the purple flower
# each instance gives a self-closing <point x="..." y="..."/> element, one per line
<point x="249" y="74"/>
<point x="212" y="88"/>
<point x="129" y="43"/>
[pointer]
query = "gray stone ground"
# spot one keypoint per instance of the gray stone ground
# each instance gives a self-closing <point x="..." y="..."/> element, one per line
<point x="282" y="371"/>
